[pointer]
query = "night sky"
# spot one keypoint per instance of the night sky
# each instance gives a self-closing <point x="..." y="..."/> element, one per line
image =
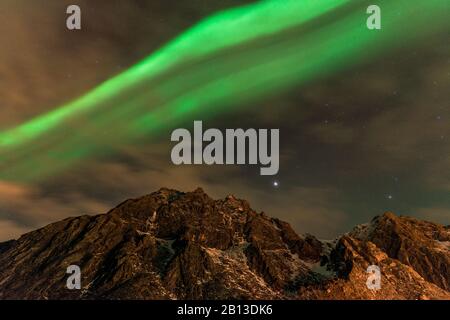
<point x="372" y="137"/>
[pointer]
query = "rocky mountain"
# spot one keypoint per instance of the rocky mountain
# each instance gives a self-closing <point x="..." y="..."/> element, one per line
<point x="175" y="245"/>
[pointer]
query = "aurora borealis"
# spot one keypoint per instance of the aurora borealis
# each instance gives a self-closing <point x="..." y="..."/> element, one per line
<point x="347" y="100"/>
<point x="243" y="54"/>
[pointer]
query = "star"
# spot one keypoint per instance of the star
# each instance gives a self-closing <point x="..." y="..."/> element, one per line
<point x="389" y="196"/>
<point x="275" y="184"/>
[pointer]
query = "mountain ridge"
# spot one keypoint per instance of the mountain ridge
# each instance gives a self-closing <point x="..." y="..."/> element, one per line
<point x="185" y="245"/>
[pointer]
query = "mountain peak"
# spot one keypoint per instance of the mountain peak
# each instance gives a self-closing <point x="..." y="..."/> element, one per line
<point x="186" y="245"/>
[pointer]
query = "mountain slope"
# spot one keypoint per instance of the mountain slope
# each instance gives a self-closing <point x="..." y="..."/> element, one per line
<point x="174" y="245"/>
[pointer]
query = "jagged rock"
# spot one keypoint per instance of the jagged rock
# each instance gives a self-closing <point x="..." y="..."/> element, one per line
<point x="175" y="245"/>
<point x="422" y="245"/>
<point x="351" y="258"/>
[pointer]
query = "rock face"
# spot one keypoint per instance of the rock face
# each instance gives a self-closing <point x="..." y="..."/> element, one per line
<point x="422" y="245"/>
<point x="174" y="245"/>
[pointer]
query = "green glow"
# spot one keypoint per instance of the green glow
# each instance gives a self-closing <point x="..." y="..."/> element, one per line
<point x="215" y="33"/>
<point x="229" y="59"/>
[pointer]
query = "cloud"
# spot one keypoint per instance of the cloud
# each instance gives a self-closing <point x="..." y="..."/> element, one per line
<point x="308" y="209"/>
<point x="24" y="208"/>
<point x="10" y="230"/>
<point x="435" y="214"/>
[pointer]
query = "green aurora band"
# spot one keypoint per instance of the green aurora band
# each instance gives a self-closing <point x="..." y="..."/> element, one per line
<point x="229" y="59"/>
